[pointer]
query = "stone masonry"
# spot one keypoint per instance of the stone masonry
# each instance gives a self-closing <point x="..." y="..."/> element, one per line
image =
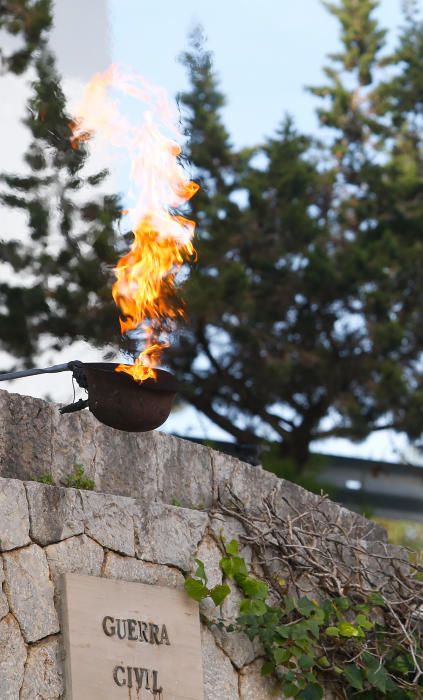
<point x="148" y="519"/>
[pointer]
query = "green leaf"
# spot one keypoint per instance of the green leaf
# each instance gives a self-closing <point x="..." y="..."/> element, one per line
<point x="400" y="694"/>
<point x="299" y="631"/>
<point x="219" y="593"/>
<point x="305" y="606"/>
<point x="232" y="547"/>
<point x="378" y="677"/>
<point x="281" y="655"/>
<point x="354" y="676"/>
<point x="364" y="622"/>
<point x="306" y="662"/>
<point x="361" y="607"/>
<point x="375" y="598"/>
<point x="283" y="631"/>
<point x="195" y="589"/>
<point x="200" y="571"/>
<point x="313" y="691"/>
<point x="290" y="690"/>
<point x="332" y="632"/>
<point x="310" y="677"/>
<point x="318" y="615"/>
<point x="267" y="668"/>
<point x="313" y="627"/>
<point x="323" y="661"/>
<point x="402" y="664"/>
<point x="233" y="566"/>
<point x="252" y="607"/>
<point x="370" y="660"/>
<point x="290" y="604"/>
<point x="254" y="588"/>
<point x="375" y="672"/>
<point x="342" y="603"/>
<point x="347" y="630"/>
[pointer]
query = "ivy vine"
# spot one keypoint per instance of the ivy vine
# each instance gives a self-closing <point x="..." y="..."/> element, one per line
<point x="340" y="643"/>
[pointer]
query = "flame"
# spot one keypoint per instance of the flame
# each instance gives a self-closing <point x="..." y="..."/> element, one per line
<point x="144" y="290"/>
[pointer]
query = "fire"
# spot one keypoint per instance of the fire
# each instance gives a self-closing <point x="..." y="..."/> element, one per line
<point x="146" y="277"/>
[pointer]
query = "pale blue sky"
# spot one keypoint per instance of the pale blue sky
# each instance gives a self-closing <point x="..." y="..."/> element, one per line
<point x="265" y="52"/>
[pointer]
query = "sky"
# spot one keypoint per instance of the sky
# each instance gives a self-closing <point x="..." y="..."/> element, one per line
<point x="265" y="53"/>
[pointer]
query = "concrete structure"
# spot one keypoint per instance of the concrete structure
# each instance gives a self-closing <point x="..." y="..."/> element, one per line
<point x="388" y="490"/>
<point x="150" y="516"/>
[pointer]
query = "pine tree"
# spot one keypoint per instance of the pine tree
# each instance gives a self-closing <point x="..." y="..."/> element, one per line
<point x="216" y="280"/>
<point x="28" y="21"/>
<point x="59" y="287"/>
<point x="377" y="141"/>
<point x="303" y="323"/>
<point x="253" y="353"/>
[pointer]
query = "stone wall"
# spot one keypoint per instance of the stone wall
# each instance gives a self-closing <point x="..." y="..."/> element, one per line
<point x="150" y="516"/>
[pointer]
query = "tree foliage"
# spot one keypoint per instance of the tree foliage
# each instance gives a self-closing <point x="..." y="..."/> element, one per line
<point x="305" y="303"/>
<point x="27" y="21"/>
<point x="57" y="283"/>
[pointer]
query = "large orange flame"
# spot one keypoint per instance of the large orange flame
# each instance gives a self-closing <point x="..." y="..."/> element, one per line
<point x="145" y="283"/>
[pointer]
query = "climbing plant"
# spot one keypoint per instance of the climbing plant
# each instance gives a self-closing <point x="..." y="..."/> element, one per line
<point x="359" y="633"/>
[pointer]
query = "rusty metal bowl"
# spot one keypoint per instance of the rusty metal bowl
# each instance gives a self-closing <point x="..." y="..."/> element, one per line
<point x="115" y="398"/>
<point x="119" y="401"/>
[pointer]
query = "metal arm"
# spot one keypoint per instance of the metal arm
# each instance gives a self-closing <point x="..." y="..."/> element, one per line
<point x="67" y="366"/>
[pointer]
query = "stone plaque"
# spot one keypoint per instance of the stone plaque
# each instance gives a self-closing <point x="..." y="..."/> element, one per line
<point x="128" y="641"/>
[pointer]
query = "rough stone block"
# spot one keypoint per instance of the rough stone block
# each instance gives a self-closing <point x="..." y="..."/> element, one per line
<point x="252" y="484"/>
<point x="220" y="678"/>
<point x="14" y="518"/>
<point x="79" y="555"/>
<point x="130" y="569"/>
<point x="342" y="520"/>
<point x="230" y="529"/>
<point x="43" y="679"/>
<point x="55" y="513"/>
<point x="209" y="553"/>
<point x="236" y="645"/>
<point x="169" y="535"/>
<point x="185" y="472"/>
<point x="108" y="519"/>
<point x="73" y="442"/>
<point x="25" y="436"/>
<point x="381" y="561"/>
<point x="30" y="592"/>
<point x="120" y="463"/>
<point x="254" y="687"/>
<point x="12" y="658"/>
<point x="4" y="605"/>
<point x="356" y="525"/>
<point x="126" y="463"/>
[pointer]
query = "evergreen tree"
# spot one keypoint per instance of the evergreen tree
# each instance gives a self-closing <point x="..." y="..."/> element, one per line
<point x="302" y="323"/>
<point x="28" y="21"/>
<point x="255" y="346"/>
<point x="217" y="282"/>
<point x="61" y="272"/>
<point x="378" y="211"/>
